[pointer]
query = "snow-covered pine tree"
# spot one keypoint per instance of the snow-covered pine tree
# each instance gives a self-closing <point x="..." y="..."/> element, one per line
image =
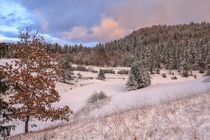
<point x="32" y="82"/>
<point x="101" y="75"/>
<point x="138" y="78"/>
<point x="184" y="65"/>
<point x="67" y="69"/>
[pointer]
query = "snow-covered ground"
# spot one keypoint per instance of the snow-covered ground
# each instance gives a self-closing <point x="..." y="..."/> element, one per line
<point x="76" y="95"/>
<point x="185" y="118"/>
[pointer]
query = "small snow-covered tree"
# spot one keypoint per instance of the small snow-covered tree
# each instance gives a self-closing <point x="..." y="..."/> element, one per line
<point x="101" y="75"/>
<point x="67" y="69"/>
<point x="32" y="82"/>
<point x="138" y="78"/>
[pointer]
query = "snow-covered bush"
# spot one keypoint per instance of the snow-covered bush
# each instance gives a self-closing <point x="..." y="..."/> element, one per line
<point x="138" y="78"/>
<point x="207" y="79"/>
<point x="163" y="75"/>
<point x="201" y="70"/>
<point x="123" y="71"/>
<point x="171" y="72"/>
<point x="173" y="77"/>
<point x="101" y="75"/>
<point x="80" y="68"/>
<point x="92" y="70"/>
<point x="96" y="97"/>
<point x="157" y="70"/>
<point x="207" y="73"/>
<point x="111" y="71"/>
<point x="79" y="76"/>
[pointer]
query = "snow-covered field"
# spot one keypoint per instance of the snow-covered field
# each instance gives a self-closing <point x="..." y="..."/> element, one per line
<point x="124" y="103"/>
<point x="182" y="119"/>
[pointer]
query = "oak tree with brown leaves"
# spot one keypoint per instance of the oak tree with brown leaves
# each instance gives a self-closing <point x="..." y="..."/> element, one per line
<point x="32" y="81"/>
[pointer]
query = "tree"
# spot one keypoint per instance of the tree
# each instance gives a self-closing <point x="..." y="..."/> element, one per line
<point x="32" y="81"/>
<point x="67" y="69"/>
<point x="6" y="111"/>
<point x="101" y="75"/>
<point x="138" y="78"/>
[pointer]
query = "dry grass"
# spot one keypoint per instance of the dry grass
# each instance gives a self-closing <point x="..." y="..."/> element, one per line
<point x="183" y="118"/>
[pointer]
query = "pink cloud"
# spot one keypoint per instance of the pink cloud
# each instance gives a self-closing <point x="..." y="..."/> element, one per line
<point x="107" y="30"/>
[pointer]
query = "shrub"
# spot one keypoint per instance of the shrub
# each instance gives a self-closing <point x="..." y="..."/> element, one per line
<point x="123" y="71"/>
<point x="163" y="75"/>
<point x="101" y="75"/>
<point x="207" y="73"/>
<point x="157" y="71"/>
<point x="207" y="79"/>
<point x="173" y="77"/>
<point x="201" y="70"/>
<point x="92" y="70"/>
<point x="79" y="76"/>
<point x="80" y="68"/>
<point x="171" y="73"/>
<point x="111" y="71"/>
<point x="96" y="97"/>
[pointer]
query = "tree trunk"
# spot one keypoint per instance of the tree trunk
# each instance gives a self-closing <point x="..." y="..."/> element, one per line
<point x="26" y="124"/>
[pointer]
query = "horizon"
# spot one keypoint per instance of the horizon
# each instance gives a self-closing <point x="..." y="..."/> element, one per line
<point x="92" y="22"/>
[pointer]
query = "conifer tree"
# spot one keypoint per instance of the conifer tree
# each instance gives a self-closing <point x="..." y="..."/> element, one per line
<point x="101" y="75"/>
<point x="138" y="78"/>
<point x="67" y="69"/>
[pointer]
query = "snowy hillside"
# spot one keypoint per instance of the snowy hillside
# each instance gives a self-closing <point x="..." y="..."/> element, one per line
<point x="184" y="118"/>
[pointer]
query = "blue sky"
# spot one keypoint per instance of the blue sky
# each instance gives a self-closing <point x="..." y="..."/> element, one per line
<point x="92" y="21"/>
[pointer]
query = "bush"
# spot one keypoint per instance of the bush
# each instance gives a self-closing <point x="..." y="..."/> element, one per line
<point x="207" y="79"/>
<point x="163" y="75"/>
<point x="92" y="70"/>
<point x="111" y="71"/>
<point x="79" y="76"/>
<point x="171" y="73"/>
<point x="157" y="71"/>
<point x="207" y="73"/>
<point x="138" y="78"/>
<point x="123" y="72"/>
<point x="174" y="77"/>
<point x="96" y="97"/>
<point x="80" y="68"/>
<point x="101" y="75"/>
<point x="201" y="70"/>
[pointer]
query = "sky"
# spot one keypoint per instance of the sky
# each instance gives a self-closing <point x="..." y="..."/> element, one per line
<point x="92" y="21"/>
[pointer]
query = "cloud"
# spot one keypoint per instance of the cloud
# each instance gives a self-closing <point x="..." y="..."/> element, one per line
<point x="1" y="40"/>
<point x="141" y="13"/>
<point x="44" y="23"/>
<point x="99" y="20"/>
<point x="60" y="16"/>
<point x="107" y="30"/>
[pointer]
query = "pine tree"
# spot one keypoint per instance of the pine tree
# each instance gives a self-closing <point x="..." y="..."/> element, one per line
<point x="32" y="81"/>
<point x="67" y="69"/>
<point x="184" y="65"/>
<point x="101" y="75"/>
<point x="138" y="78"/>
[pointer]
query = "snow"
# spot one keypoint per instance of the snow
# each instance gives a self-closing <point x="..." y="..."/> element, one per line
<point x="75" y="95"/>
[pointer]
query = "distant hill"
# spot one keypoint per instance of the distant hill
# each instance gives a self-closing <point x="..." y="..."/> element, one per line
<point x="171" y="47"/>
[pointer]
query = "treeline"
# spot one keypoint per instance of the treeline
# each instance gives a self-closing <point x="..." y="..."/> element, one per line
<point x="172" y="47"/>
